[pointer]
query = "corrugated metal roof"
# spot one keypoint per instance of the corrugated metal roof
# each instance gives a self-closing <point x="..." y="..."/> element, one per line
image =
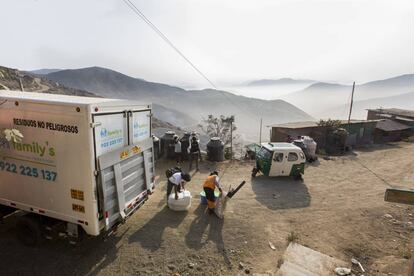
<point x="279" y="146"/>
<point x="395" y="111"/>
<point x="404" y="119"/>
<point x="390" y="125"/>
<point x="296" y="125"/>
<point x="253" y="147"/>
<point x="307" y="124"/>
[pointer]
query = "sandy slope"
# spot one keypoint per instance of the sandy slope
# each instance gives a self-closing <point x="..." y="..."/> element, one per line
<point x="338" y="210"/>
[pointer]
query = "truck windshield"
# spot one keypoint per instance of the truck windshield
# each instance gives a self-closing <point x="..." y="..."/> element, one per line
<point x="264" y="153"/>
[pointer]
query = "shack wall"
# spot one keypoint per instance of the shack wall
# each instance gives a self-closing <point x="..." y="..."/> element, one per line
<point x="381" y="136"/>
<point x="318" y="134"/>
<point x="360" y="133"/>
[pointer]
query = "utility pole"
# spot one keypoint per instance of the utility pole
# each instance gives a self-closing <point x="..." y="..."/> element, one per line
<point x="260" y="134"/>
<point x="350" y="107"/>
<point x="231" y="121"/>
<point x="21" y="85"/>
<point x="231" y="139"/>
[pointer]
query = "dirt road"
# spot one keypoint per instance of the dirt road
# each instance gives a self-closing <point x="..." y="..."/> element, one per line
<point x="338" y="210"/>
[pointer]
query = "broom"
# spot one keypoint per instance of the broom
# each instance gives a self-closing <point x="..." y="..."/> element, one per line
<point x="224" y="197"/>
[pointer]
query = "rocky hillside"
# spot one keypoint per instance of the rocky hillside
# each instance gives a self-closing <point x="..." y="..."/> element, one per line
<point x="10" y="80"/>
<point x="13" y="79"/>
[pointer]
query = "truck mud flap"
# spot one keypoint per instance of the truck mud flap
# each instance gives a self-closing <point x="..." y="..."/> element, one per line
<point x="114" y="227"/>
<point x="125" y="176"/>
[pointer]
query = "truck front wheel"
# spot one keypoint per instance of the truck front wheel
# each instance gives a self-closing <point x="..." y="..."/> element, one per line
<point x="29" y="230"/>
<point x="254" y="172"/>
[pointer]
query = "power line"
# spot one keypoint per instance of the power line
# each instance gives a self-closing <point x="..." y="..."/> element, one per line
<point x="376" y="175"/>
<point x="168" y="41"/>
<point x="165" y="38"/>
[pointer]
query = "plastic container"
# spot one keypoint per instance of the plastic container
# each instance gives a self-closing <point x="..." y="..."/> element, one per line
<point x="203" y="199"/>
<point x="157" y="147"/>
<point x="310" y="145"/>
<point x="185" y="143"/>
<point x="183" y="203"/>
<point x="215" y="150"/>
<point x="167" y="144"/>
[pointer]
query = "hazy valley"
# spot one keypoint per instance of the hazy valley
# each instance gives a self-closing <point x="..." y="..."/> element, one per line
<point x="275" y="101"/>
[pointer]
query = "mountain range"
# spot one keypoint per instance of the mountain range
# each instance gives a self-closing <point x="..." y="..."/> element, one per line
<point x="43" y="71"/>
<point x="359" y="109"/>
<point x="184" y="108"/>
<point x="13" y="79"/>
<point x="282" y="81"/>
<point x="323" y="100"/>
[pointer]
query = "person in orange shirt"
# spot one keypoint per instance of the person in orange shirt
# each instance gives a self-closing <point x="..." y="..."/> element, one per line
<point x="209" y="186"/>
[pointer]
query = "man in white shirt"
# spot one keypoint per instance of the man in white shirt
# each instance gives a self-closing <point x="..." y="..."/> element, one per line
<point x="177" y="149"/>
<point x="177" y="180"/>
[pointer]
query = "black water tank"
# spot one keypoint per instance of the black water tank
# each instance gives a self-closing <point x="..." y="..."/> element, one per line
<point x="215" y="150"/>
<point x="185" y="143"/>
<point x="167" y="144"/>
<point x="157" y="147"/>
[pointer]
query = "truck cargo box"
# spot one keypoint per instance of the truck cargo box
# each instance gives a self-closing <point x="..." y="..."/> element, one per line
<point x="85" y="161"/>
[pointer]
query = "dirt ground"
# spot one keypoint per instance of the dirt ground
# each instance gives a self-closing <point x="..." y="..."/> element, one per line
<point x="338" y="210"/>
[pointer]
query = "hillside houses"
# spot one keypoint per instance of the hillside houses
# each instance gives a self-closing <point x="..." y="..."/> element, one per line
<point x="395" y="124"/>
<point x="381" y="126"/>
<point x="360" y="131"/>
<point x="402" y="116"/>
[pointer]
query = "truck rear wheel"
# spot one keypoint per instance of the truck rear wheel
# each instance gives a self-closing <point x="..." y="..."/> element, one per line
<point x="29" y="231"/>
<point x="5" y="210"/>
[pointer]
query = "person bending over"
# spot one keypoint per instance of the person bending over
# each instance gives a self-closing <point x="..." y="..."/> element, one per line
<point x="212" y="182"/>
<point x="177" y="181"/>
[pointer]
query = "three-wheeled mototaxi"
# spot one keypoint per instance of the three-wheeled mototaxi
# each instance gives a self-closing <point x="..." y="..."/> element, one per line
<point x="280" y="159"/>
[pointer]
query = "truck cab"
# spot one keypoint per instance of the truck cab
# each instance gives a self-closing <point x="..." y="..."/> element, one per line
<point x="280" y="159"/>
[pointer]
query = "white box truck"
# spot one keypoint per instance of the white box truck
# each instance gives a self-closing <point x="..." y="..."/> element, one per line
<point x="83" y="162"/>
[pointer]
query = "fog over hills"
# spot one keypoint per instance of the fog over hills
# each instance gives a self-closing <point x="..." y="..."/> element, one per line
<point x="330" y="99"/>
<point x="194" y="104"/>
<point x="186" y="108"/>
<point x="399" y="81"/>
<point x="282" y="81"/>
<point x="359" y="110"/>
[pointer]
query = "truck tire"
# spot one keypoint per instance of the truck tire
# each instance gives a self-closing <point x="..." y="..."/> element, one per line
<point x="254" y="172"/>
<point x="29" y="231"/>
<point x="5" y="210"/>
<point x="298" y="177"/>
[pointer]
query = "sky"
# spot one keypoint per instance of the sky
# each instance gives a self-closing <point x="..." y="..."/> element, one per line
<point x="230" y="41"/>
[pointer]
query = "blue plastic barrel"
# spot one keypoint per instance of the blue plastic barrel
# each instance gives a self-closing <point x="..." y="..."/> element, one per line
<point x="203" y="199"/>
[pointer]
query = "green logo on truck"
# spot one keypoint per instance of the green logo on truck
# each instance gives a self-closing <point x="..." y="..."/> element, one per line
<point x="34" y="147"/>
